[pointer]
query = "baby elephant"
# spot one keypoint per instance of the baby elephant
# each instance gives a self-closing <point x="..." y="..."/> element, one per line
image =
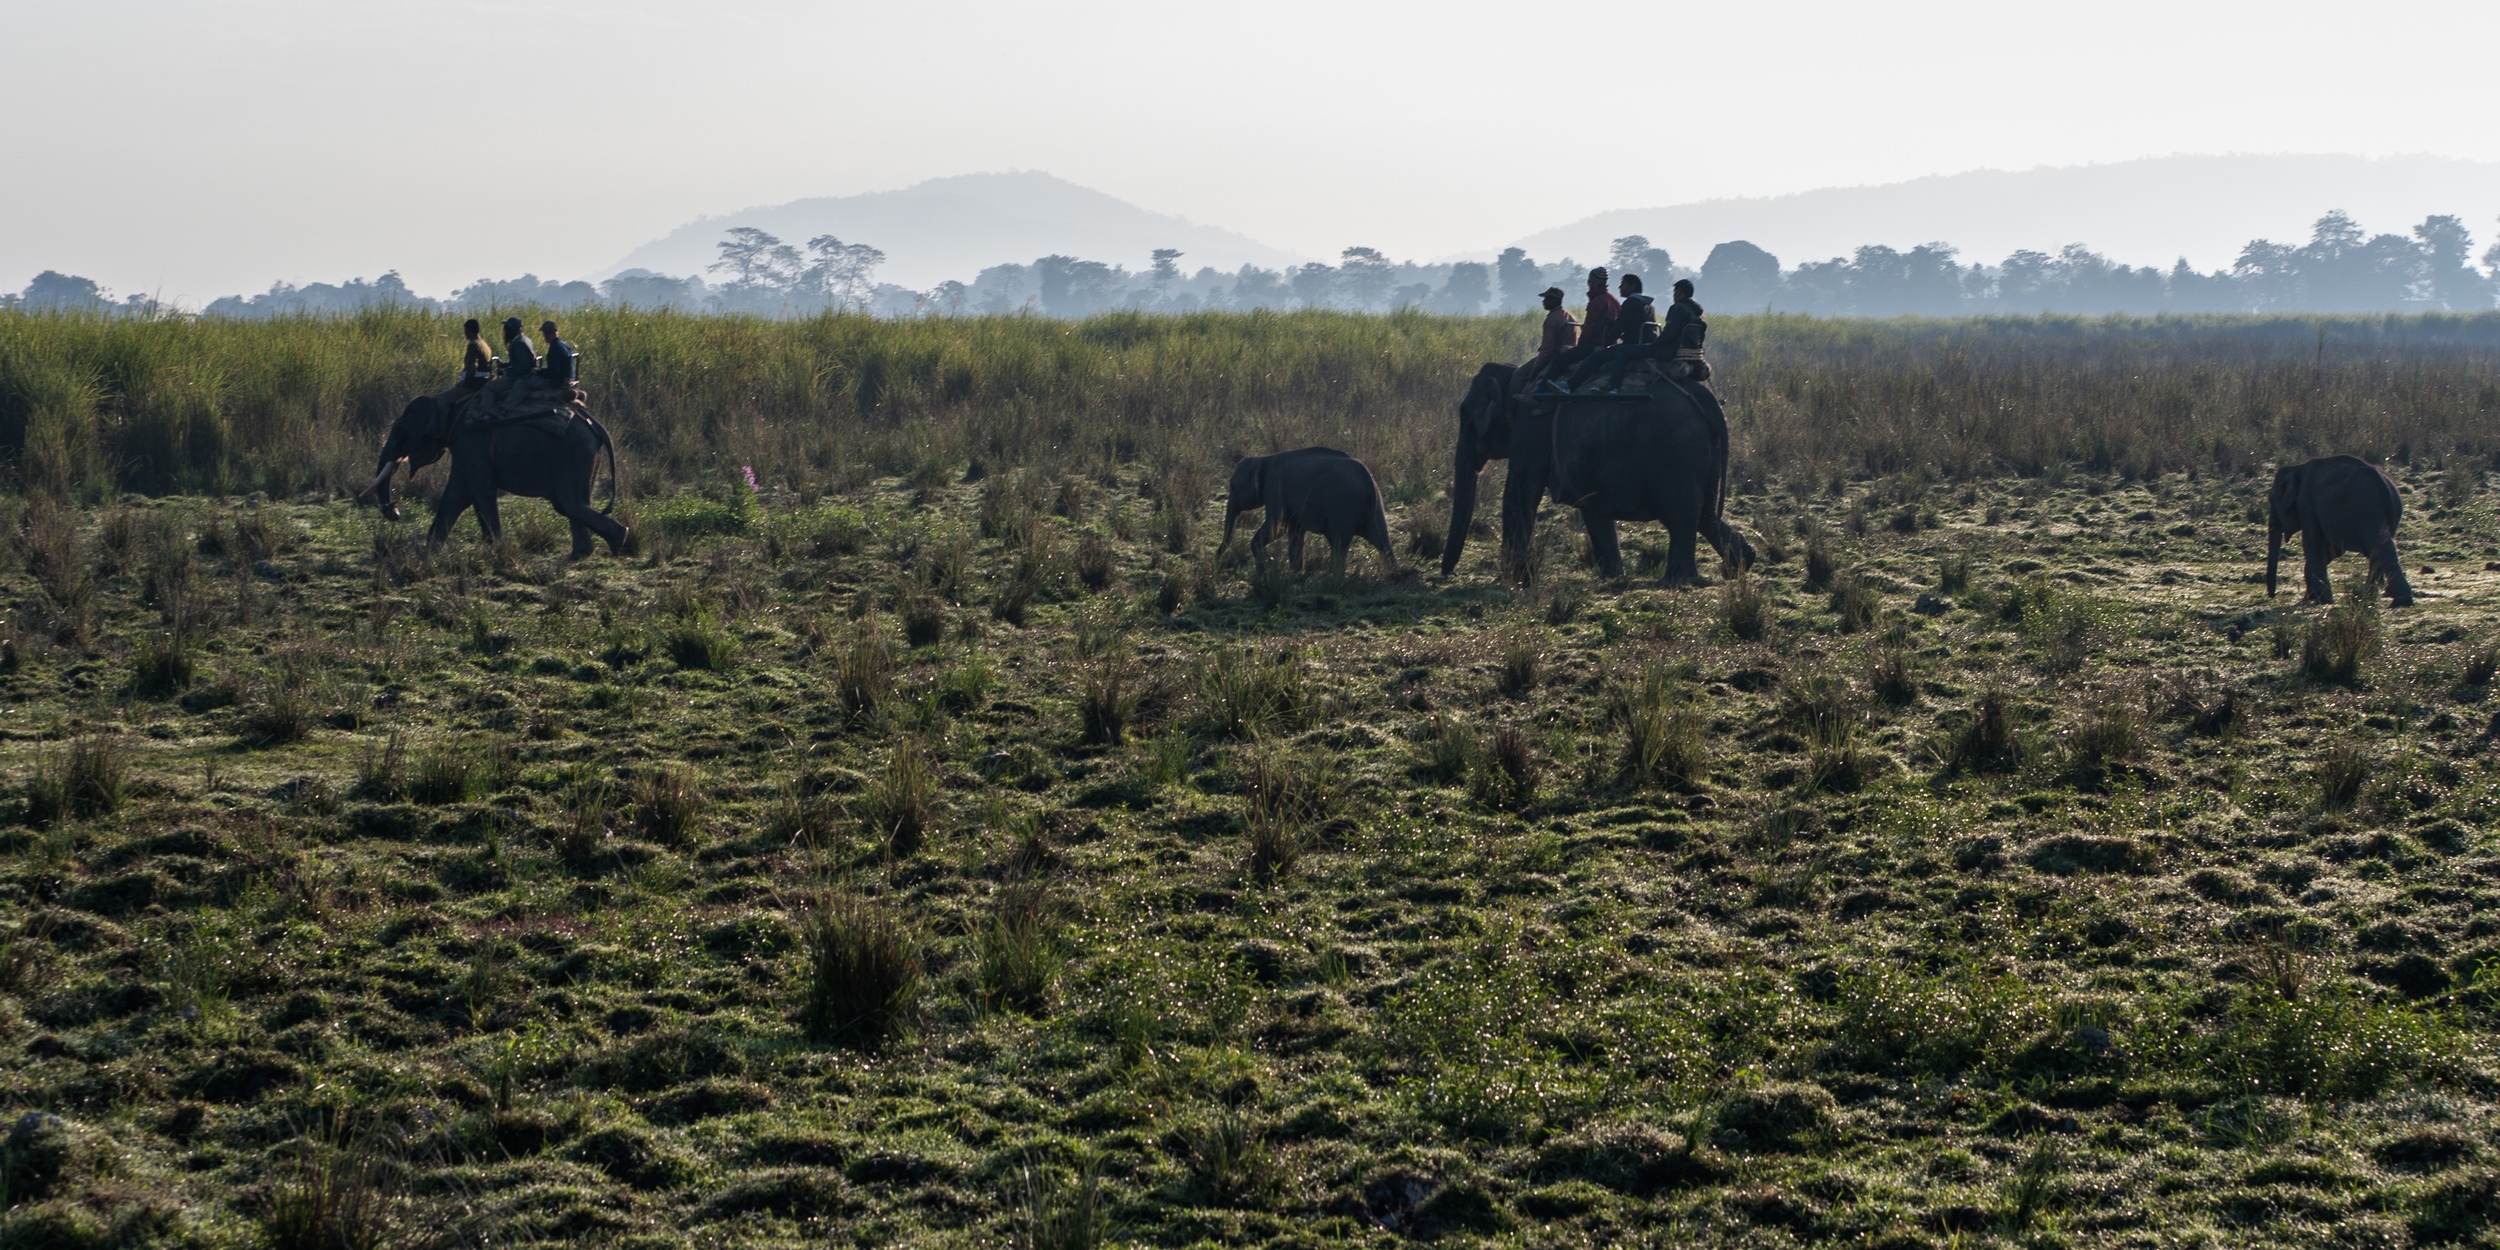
<point x="2336" y="504"/>
<point x="1314" y="490"/>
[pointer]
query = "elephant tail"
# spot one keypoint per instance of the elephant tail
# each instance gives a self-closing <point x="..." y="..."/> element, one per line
<point x="1719" y="446"/>
<point x="607" y="445"/>
<point x="1378" y="525"/>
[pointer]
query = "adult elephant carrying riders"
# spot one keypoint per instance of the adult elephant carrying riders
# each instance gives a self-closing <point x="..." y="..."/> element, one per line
<point x="531" y="435"/>
<point x="1655" y="456"/>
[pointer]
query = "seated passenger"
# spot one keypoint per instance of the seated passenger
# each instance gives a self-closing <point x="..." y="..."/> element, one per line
<point x="1560" y="332"/>
<point x="559" y="366"/>
<point x="519" y="361"/>
<point x="1683" y="335"/>
<point x="477" y="364"/>
<point x="1598" y="326"/>
<point x="1634" y="334"/>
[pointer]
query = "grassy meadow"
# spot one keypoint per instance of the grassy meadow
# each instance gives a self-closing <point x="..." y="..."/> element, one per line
<point x="943" y="845"/>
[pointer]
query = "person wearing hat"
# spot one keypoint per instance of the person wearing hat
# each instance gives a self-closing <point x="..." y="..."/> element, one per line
<point x="1560" y="333"/>
<point x="558" y="367"/>
<point x="477" y="363"/>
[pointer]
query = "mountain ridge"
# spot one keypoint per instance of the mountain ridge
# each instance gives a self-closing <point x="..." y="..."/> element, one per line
<point x="956" y="226"/>
<point x="2126" y="210"/>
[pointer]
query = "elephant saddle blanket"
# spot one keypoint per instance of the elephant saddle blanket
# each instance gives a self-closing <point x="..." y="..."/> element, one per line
<point x="507" y="401"/>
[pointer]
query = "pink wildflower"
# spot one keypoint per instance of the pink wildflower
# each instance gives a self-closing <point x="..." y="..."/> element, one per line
<point x="749" y="470"/>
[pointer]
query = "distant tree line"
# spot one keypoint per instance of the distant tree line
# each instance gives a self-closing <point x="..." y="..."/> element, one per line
<point x="2341" y="269"/>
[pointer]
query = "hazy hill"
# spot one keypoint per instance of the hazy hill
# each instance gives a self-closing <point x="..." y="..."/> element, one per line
<point x="2142" y="212"/>
<point x="955" y="227"/>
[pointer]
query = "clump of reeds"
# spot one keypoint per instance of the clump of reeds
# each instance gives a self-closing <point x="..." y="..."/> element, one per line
<point x="863" y="971"/>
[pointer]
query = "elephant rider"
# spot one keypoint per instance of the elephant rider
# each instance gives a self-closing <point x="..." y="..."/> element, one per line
<point x="1683" y="335"/>
<point x="1560" y="332"/>
<point x="520" y="364"/>
<point x="1599" y="329"/>
<point x="1633" y="337"/>
<point x="558" y="367"/>
<point x="519" y="360"/>
<point x="477" y="364"/>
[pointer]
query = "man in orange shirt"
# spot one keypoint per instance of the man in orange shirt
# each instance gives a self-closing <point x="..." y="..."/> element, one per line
<point x="1560" y="333"/>
<point x="1598" y="327"/>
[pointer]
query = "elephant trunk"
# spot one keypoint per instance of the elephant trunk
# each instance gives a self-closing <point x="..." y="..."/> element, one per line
<point x="381" y="487"/>
<point x="2274" y="552"/>
<point x="1232" y="513"/>
<point x="1465" y="468"/>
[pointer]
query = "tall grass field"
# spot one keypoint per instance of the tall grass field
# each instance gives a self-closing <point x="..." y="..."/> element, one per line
<point x="941" y="842"/>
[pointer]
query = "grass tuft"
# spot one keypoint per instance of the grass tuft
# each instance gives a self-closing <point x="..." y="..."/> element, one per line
<point x="2482" y="666"/>
<point x="1507" y="770"/>
<point x="1663" y="740"/>
<point x="332" y="1190"/>
<point x="901" y="804"/>
<point x="668" y="806"/>
<point x="1061" y="1214"/>
<point x="1093" y="562"/>
<point x="163" y="667"/>
<point x="1449" y="751"/>
<point x="2340" y="772"/>
<point x="863" y="971"/>
<point x="864" y="673"/>
<point x="1820" y="563"/>
<point x="1987" y="743"/>
<point x="1743" y="609"/>
<point x="1230" y="1161"/>
<point x="1106" y="699"/>
<point x="1240" y="696"/>
<point x="1020" y="955"/>
<point x="1854" y="601"/>
<point x="1523" y="662"/>
<point x="2339" y="642"/>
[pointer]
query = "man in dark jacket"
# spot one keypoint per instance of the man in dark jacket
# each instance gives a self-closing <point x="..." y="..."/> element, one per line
<point x="1683" y="334"/>
<point x="559" y="364"/>
<point x="519" y="360"/>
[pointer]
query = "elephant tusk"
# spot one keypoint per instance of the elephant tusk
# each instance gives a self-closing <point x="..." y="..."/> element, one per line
<point x="383" y="476"/>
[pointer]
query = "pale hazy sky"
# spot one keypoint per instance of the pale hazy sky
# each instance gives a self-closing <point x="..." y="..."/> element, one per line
<point x="202" y="148"/>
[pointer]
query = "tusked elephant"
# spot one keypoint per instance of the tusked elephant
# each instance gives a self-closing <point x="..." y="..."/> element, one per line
<point x="1311" y="490"/>
<point x="1658" y="457"/>
<point x="551" y="457"/>
<point x="2336" y="504"/>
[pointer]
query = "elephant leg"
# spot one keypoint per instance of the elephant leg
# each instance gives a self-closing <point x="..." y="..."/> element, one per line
<point x="2399" y="591"/>
<point x="447" y="509"/>
<point x="1293" y="547"/>
<point x="1337" y="544"/>
<point x="1682" y="570"/>
<point x="1259" y="537"/>
<point x="1521" y="494"/>
<point x="2314" y="558"/>
<point x="489" y="516"/>
<point x="1603" y="544"/>
<point x="1466" y="470"/>
<point x="588" y="521"/>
